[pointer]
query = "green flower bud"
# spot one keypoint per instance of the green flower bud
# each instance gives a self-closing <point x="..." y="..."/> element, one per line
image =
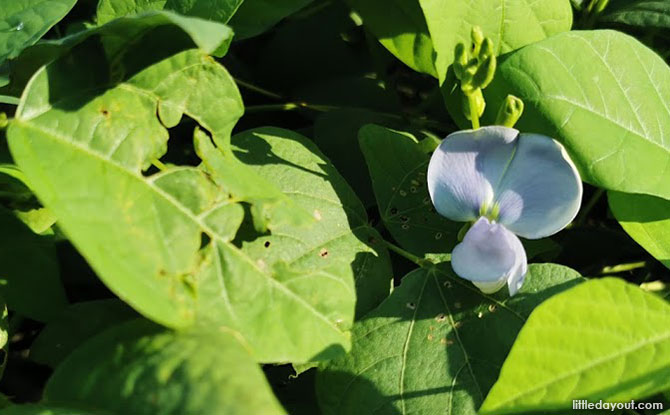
<point x="479" y="103"/>
<point x="510" y="111"/>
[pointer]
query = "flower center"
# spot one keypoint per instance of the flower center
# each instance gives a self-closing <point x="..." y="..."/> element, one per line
<point x="490" y="211"/>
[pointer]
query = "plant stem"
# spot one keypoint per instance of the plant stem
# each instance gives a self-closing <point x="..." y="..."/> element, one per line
<point x="159" y="165"/>
<point x="589" y="206"/>
<point x="258" y="89"/>
<point x="407" y="255"/>
<point x="615" y="269"/>
<point x="474" y="114"/>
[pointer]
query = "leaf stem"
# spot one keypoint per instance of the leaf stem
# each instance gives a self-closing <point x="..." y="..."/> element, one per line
<point x="615" y="269"/>
<point x="408" y="255"/>
<point x="474" y="114"/>
<point x="159" y="165"/>
<point x="258" y="89"/>
<point x="589" y="207"/>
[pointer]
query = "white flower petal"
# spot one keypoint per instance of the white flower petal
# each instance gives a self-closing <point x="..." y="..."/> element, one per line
<point x="541" y="190"/>
<point x="465" y="169"/>
<point x="490" y="256"/>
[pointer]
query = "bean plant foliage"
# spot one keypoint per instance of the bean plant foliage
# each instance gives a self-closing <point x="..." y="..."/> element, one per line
<point x="334" y="207"/>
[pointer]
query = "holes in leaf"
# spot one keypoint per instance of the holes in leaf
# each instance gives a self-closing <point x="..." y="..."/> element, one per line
<point x="204" y="240"/>
<point x="323" y="253"/>
<point x="266" y="244"/>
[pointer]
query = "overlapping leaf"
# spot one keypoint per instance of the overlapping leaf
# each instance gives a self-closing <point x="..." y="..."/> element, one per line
<point x="434" y="346"/>
<point x="24" y="22"/>
<point x="620" y="352"/>
<point x="397" y="166"/>
<point x="256" y="16"/>
<point x="163" y="242"/>
<point x="401" y="27"/>
<point x="341" y="233"/>
<point x="642" y="14"/>
<point x="139" y="368"/>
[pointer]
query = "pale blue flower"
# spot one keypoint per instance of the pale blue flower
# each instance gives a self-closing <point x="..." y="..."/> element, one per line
<point x="508" y="184"/>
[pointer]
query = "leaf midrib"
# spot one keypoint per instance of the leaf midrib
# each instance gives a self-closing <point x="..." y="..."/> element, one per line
<point x="168" y="198"/>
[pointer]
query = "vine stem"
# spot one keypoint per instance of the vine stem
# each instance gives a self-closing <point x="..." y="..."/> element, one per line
<point x="407" y="255"/>
<point x="589" y="207"/>
<point x="474" y="117"/>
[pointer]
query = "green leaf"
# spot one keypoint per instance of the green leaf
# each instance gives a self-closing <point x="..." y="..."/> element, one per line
<point x="342" y="233"/>
<point x="644" y="14"/>
<point x="604" y="95"/>
<point x="74" y="325"/>
<point x="402" y="195"/>
<point x="139" y="368"/>
<point x="256" y="16"/>
<point x="509" y="24"/>
<point x="162" y="242"/>
<point x="620" y="352"/>
<point x="29" y="274"/>
<point x="213" y="10"/>
<point x="34" y="409"/>
<point x="217" y="10"/>
<point x="336" y="134"/>
<point x="177" y="33"/>
<point x="646" y="219"/>
<point x="401" y="27"/>
<point x="24" y="22"/>
<point x="435" y="345"/>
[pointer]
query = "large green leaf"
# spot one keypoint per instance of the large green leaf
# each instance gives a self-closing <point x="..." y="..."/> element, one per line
<point x="434" y="346"/>
<point x="646" y="219"/>
<point x="29" y="274"/>
<point x="401" y="28"/>
<point x="256" y="16"/>
<point x="605" y="96"/>
<point x="397" y="166"/>
<point x="162" y="243"/>
<point x="604" y="339"/>
<point x="24" y="22"/>
<point x="644" y="14"/>
<point x="216" y="10"/>
<point x="342" y="233"/>
<point x="510" y="24"/>
<point x="34" y="409"/>
<point x="74" y="325"/>
<point x="177" y="33"/>
<point x="139" y="368"/>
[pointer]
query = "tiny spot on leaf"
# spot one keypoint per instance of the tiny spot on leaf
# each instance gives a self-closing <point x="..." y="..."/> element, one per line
<point x="440" y="318"/>
<point x="411" y="306"/>
<point x="266" y="244"/>
<point x="323" y="253"/>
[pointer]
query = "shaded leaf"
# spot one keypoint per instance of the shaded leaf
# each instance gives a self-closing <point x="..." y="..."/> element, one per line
<point x="646" y="219"/>
<point x="401" y="27"/>
<point x="256" y="16"/>
<point x="610" y="355"/>
<point x="34" y="409"/>
<point x="76" y="324"/>
<point x="397" y="166"/>
<point x="643" y="14"/>
<point x="139" y="368"/>
<point x="435" y="345"/>
<point x="29" y="270"/>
